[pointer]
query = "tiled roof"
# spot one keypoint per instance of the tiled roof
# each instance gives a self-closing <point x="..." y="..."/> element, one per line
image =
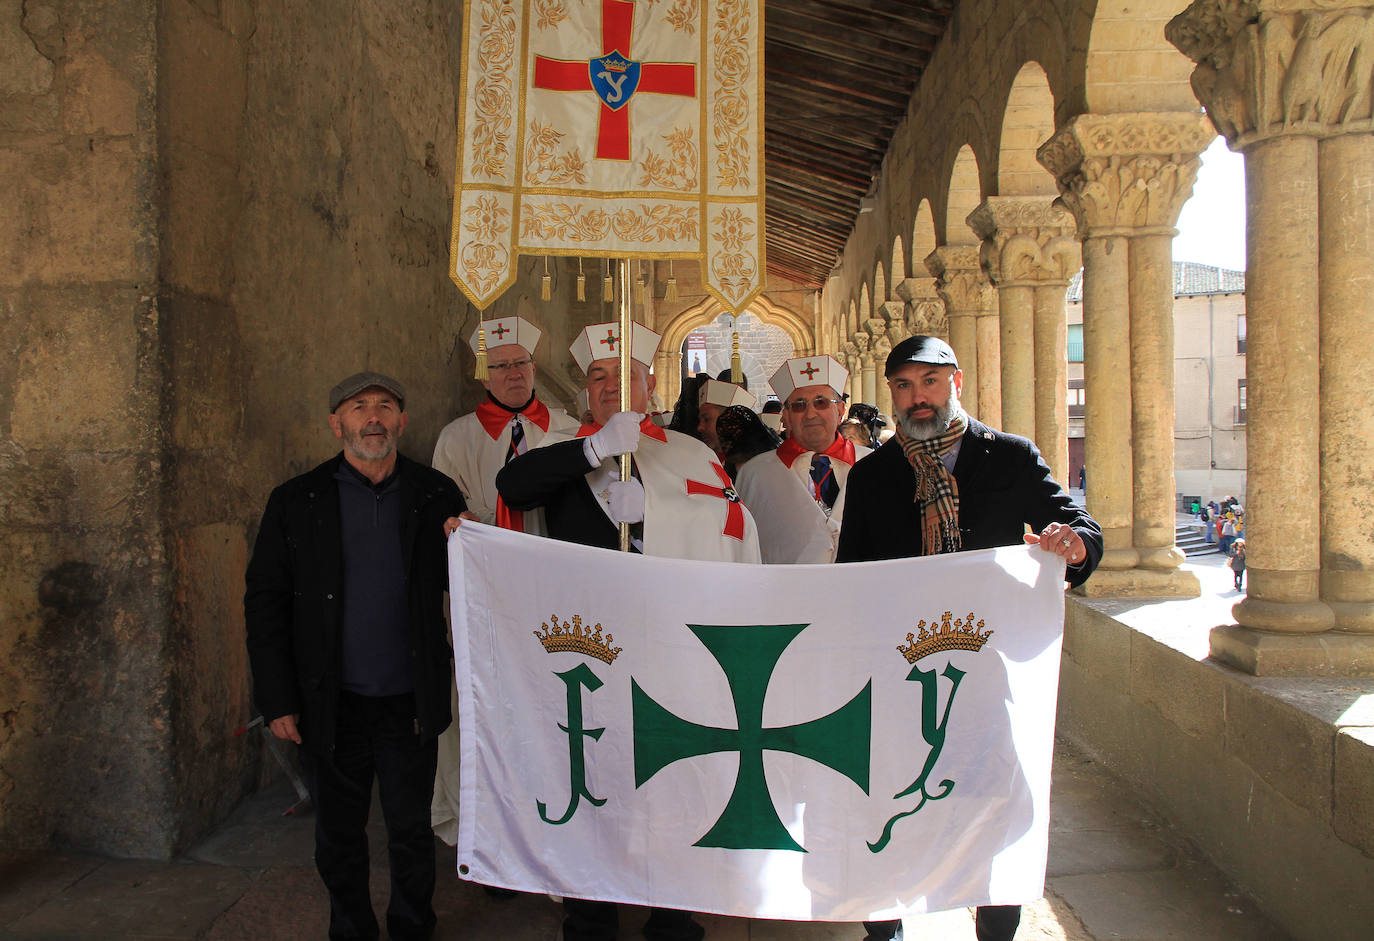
<point x="1190" y="278"/>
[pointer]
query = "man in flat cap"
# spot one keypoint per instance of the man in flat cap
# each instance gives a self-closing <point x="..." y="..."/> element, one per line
<point x="946" y="482"/>
<point x="349" y="650"/>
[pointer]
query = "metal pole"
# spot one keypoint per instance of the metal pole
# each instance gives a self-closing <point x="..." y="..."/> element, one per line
<point x="623" y="301"/>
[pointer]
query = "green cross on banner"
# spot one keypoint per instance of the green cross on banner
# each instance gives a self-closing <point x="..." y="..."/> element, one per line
<point x="748" y="655"/>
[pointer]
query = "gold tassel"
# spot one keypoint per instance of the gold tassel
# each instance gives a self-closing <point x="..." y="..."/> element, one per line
<point x="546" y="285"/>
<point x="670" y="289"/>
<point x="736" y="368"/>
<point x="581" y="282"/>
<point x="481" y="371"/>
<point x="607" y="286"/>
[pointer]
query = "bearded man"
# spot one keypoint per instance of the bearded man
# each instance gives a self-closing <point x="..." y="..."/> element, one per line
<point x="946" y="482"/>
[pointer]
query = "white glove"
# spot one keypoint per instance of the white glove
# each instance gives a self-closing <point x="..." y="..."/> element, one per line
<point x="627" y="500"/>
<point x="620" y="435"/>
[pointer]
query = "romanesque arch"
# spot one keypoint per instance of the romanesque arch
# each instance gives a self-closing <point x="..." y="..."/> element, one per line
<point x="879" y="285"/>
<point x="797" y="327"/>
<point x="899" y="269"/>
<point x="965" y="193"/>
<point x="1131" y="66"/>
<point x="1027" y="122"/>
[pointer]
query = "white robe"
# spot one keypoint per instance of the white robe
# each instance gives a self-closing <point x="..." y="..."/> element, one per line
<point x="678" y="523"/>
<point x="471" y="456"/>
<point x="468" y="453"/>
<point x="801" y="467"/>
<point x="792" y="526"/>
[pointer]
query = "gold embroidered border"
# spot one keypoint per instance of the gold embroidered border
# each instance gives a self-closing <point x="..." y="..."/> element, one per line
<point x="732" y="63"/>
<point x="493" y="96"/>
<point x="734" y="270"/>
<point x="572" y="223"/>
<point x="484" y="258"/>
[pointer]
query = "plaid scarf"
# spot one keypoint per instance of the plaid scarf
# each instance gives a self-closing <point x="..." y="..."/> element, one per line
<point x="937" y="492"/>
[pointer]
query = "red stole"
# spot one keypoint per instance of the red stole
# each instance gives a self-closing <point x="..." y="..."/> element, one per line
<point x="841" y="449"/>
<point x="494" y="417"/>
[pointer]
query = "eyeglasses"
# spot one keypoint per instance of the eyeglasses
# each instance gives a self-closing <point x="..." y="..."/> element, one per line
<point x="819" y="403"/>
<point x="513" y="364"/>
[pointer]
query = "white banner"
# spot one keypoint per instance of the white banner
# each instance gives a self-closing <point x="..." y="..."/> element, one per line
<point x="830" y="743"/>
<point x="610" y="128"/>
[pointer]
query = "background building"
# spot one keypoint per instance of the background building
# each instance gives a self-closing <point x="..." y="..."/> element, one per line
<point x="1209" y="381"/>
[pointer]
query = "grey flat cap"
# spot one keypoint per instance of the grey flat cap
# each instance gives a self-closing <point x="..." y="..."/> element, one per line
<point x="366" y="380"/>
<point x="920" y="349"/>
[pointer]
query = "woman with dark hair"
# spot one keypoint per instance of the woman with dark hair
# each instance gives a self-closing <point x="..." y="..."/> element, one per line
<point x="792" y="528"/>
<point x="685" y="411"/>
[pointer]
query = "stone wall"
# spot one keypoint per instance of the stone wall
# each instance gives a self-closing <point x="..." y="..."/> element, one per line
<point x="85" y="586"/>
<point x="1271" y="777"/>
<point x="215" y="211"/>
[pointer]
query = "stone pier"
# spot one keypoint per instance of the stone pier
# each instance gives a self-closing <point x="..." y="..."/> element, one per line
<point x="1125" y="177"/>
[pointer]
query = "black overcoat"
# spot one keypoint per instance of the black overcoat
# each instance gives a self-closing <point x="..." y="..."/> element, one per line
<point x="293" y="606"/>
<point x="1004" y="484"/>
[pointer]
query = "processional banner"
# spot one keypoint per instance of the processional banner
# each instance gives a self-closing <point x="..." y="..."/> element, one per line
<point x="779" y="741"/>
<point x="610" y="128"/>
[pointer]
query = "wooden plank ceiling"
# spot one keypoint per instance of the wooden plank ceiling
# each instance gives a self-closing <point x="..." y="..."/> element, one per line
<point x="838" y="75"/>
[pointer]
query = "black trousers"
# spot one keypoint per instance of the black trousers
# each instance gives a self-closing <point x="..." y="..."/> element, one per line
<point x="991" y="923"/>
<point x="375" y="737"/>
<point x="599" y="921"/>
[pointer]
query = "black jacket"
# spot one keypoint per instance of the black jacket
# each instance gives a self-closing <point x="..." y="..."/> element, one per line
<point x="555" y="477"/>
<point x="1003" y="485"/>
<point x="293" y="606"/>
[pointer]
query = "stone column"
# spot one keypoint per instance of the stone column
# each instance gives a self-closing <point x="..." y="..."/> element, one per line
<point x="854" y="363"/>
<point x="1346" y="209"/>
<point x="882" y="395"/>
<point x="968" y="295"/>
<point x="1125" y="177"/>
<point x="1052" y="373"/>
<point x="862" y="378"/>
<point x="1289" y="88"/>
<point x="1027" y="244"/>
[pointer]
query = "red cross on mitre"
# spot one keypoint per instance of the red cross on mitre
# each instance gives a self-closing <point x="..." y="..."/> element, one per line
<point x="810" y="371"/>
<point x="500" y="330"/>
<point x="734" y="515"/>
<point x="610" y="340"/>
<point x="613" y="70"/>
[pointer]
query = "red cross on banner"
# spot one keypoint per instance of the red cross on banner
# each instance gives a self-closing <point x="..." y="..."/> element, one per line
<point x="734" y="516"/>
<point x="608" y="75"/>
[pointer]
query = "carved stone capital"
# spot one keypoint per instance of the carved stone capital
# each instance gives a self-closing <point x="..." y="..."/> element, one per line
<point x="1281" y="67"/>
<point x="928" y="317"/>
<point x="891" y="311"/>
<point x="1026" y="241"/>
<point x="860" y="340"/>
<point x="876" y="328"/>
<point x="911" y="289"/>
<point x="961" y="281"/>
<point x="1127" y="174"/>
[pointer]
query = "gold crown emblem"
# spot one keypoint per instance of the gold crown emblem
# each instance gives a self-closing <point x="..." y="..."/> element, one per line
<point x="950" y="634"/>
<point x="572" y="637"/>
<point x="615" y="64"/>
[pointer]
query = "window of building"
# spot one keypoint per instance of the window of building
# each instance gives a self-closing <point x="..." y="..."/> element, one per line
<point x="1075" y="343"/>
<point x="1240" y="334"/>
<point x="1076" y="398"/>
<point x="1240" y="400"/>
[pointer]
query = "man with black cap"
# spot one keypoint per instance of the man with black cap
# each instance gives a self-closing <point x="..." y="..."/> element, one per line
<point x="946" y="482"/>
<point x="350" y="654"/>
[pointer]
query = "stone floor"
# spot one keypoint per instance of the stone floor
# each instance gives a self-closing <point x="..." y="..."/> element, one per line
<point x="1115" y="872"/>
